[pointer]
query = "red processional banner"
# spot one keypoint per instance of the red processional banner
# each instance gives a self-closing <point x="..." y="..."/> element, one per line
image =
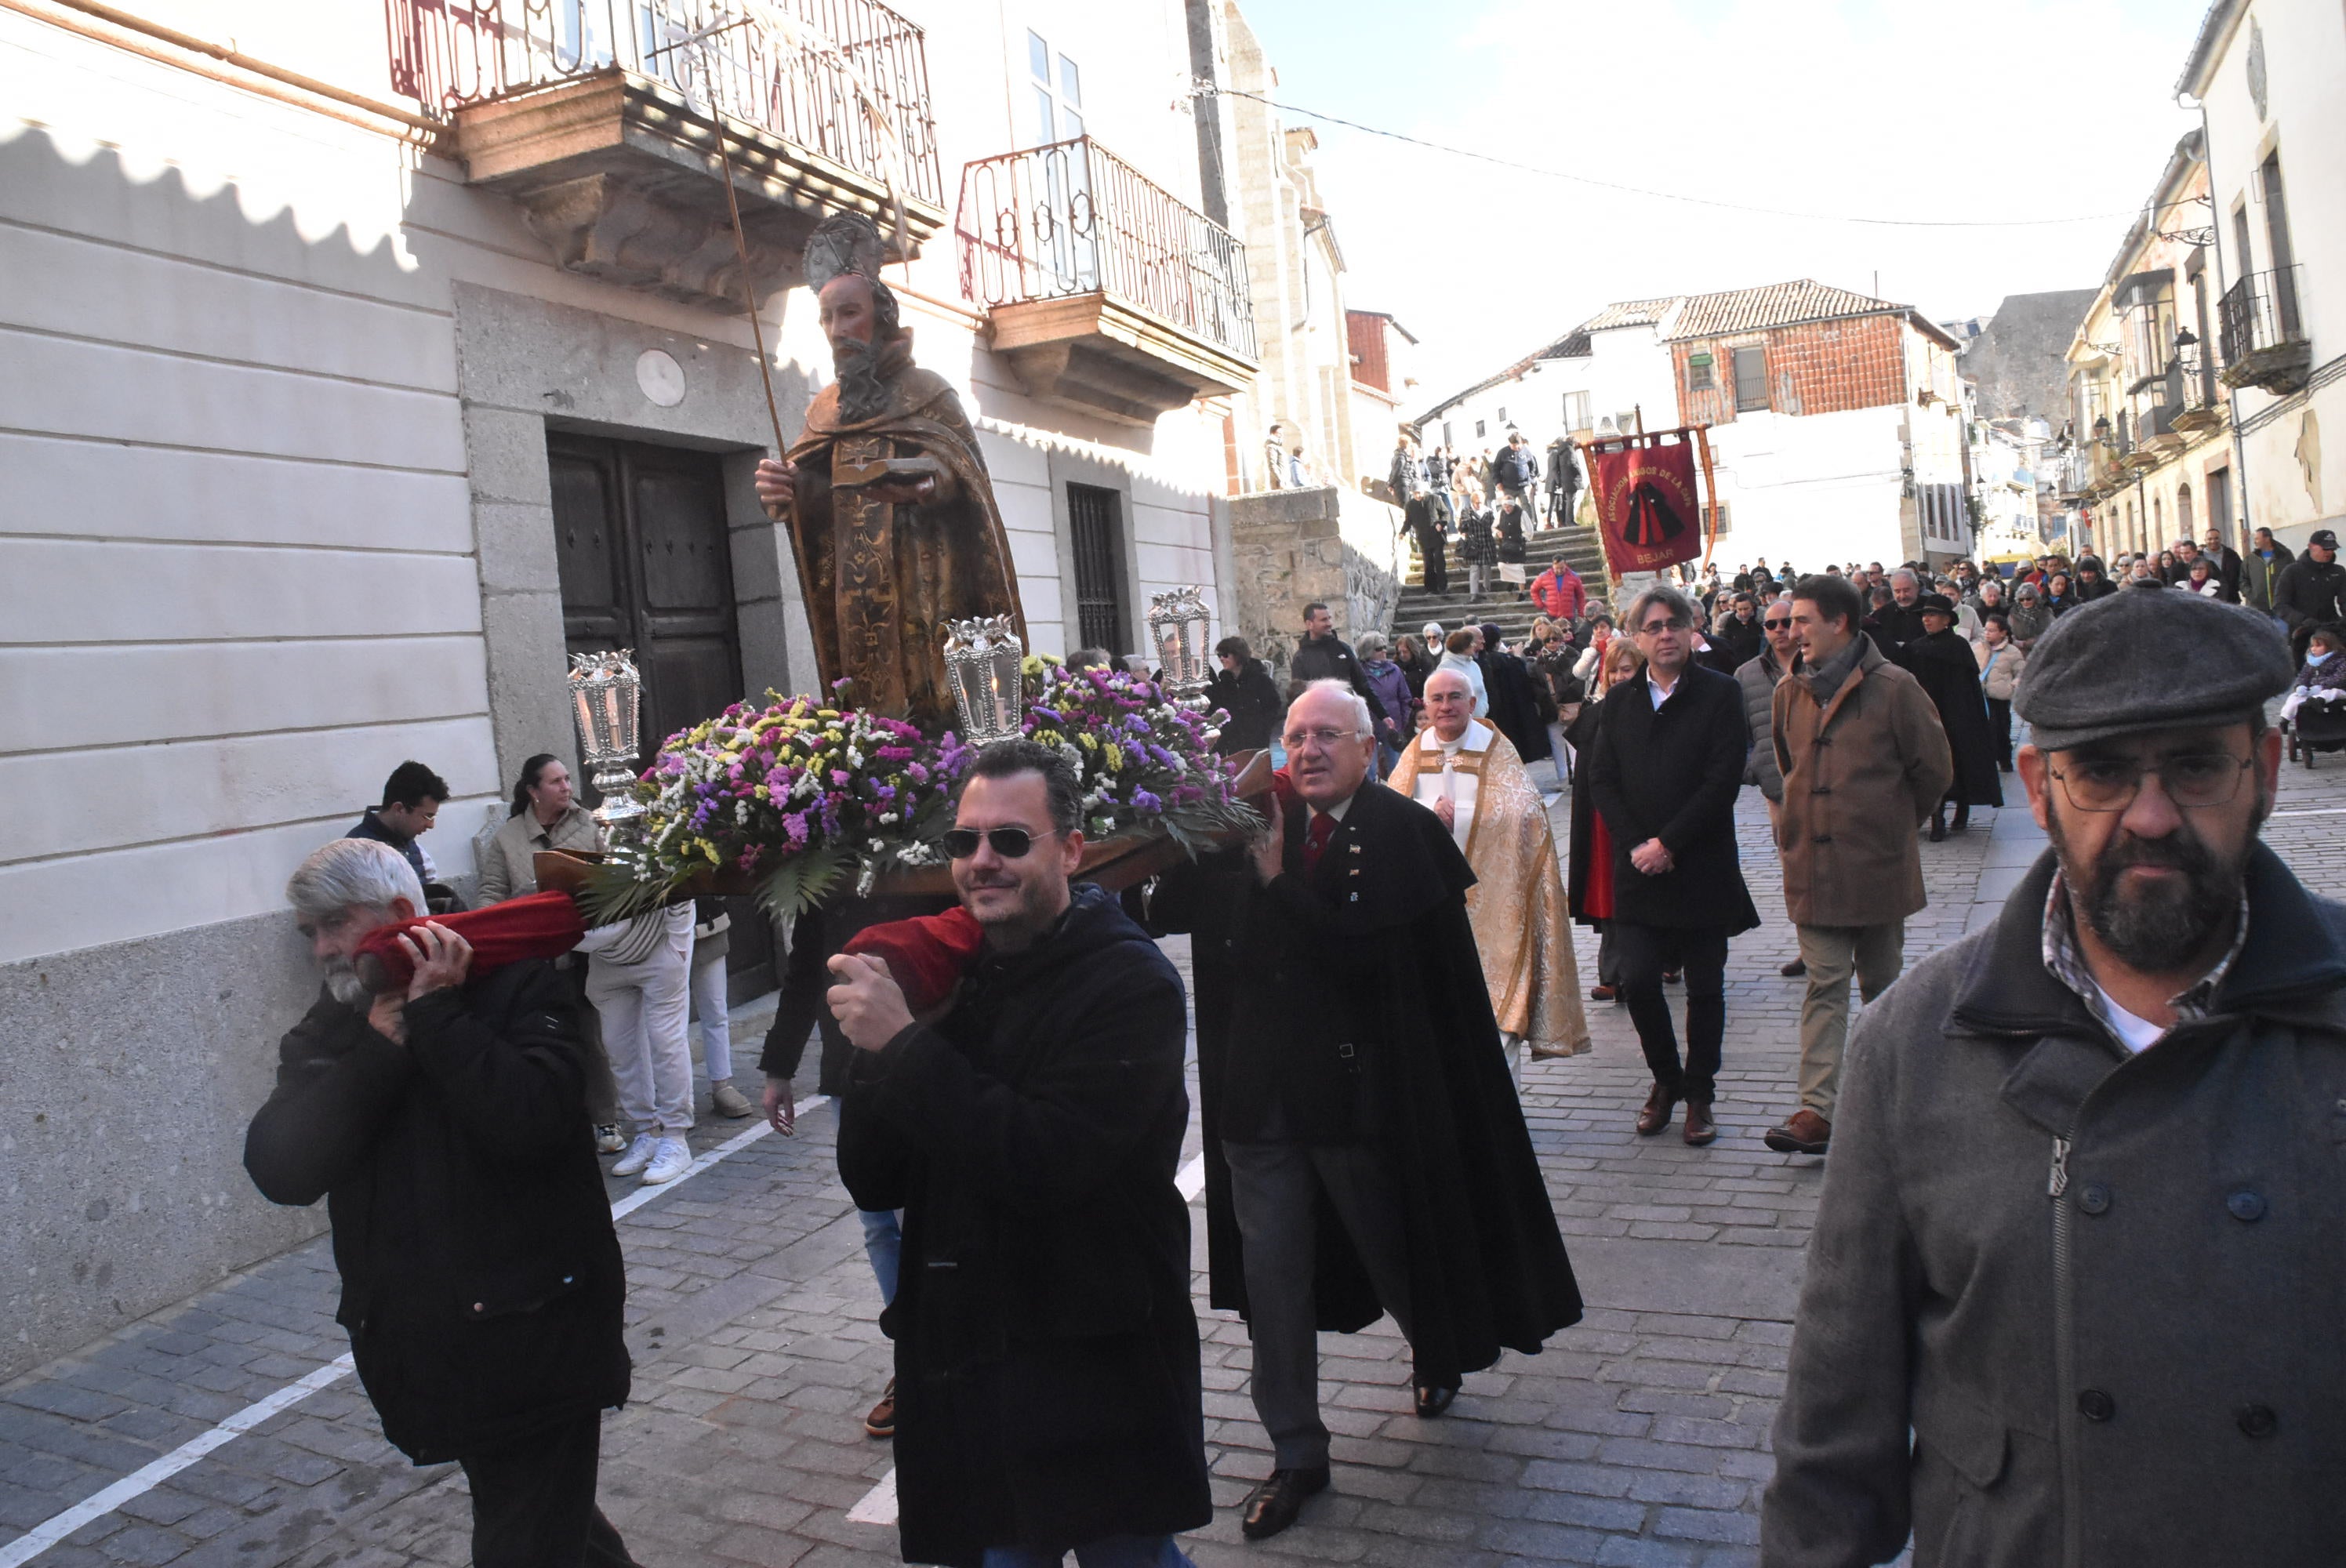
<point x="1648" y="505"/>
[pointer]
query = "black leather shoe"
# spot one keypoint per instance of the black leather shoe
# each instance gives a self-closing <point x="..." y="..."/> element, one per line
<point x="1433" y="1400"/>
<point x="1938" y="829"/>
<point x="1700" y="1127"/>
<point x="1273" y="1506"/>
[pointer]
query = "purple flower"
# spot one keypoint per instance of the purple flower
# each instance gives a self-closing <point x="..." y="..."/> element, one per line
<point x="1142" y="800"/>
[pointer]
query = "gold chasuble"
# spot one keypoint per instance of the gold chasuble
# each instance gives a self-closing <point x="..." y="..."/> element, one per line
<point x="881" y="580"/>
<point x="1516" y="905"/>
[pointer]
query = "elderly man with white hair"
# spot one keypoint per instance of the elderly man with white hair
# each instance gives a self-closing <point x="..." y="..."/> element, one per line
<point x="444" y="1122"/>
<point x="1469" y="775"/>
<point x="1364" y="1151"/>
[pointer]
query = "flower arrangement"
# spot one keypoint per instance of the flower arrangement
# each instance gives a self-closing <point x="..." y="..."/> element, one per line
<point x="788" y="800"/>
<point x="1144" y="762"/>
<point x="795" y="802"/>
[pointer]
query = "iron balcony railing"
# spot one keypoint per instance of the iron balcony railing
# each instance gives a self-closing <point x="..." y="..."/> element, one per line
<point x="845" y="78"/>
<point x="1072" y="217"/>
<point x="2262" y="311"/>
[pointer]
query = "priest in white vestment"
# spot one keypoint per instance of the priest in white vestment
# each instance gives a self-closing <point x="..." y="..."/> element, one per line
<point x="1467" y="774"/>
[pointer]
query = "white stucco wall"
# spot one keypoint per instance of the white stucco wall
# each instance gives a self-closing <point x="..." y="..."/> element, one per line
<point x="2294" y="484"/>
<point x="1810" y="488"/>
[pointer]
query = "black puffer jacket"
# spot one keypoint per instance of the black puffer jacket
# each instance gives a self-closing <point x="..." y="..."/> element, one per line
<point x="1048" y="1390"/>
<point x="482" y="1281"/>
<point x="1252" y="699"/>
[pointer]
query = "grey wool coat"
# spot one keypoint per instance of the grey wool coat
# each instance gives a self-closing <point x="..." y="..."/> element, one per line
<point x="2105" y="1294"/>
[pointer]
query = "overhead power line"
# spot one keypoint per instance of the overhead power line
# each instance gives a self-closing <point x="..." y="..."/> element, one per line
<point x="1206" y="89"/>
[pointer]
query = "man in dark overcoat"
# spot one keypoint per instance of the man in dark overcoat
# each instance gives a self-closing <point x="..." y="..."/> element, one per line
<point x="1364" y="1148"/>
<point x="2074" y="1293"/>
<point x="1048" y="1393"/>
<point x="444" y="1122"/>
<point x="1941" y="663"/>
<point x="1666" y="768"/>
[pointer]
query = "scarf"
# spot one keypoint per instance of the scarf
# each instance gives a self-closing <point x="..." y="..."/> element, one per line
<point x="1823" y="680"/>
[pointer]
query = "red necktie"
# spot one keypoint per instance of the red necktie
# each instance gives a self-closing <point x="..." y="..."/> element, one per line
<point x="1323" y="828"/>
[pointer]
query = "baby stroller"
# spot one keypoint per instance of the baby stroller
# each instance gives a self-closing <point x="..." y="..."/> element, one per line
<point x="2317" y="723"/>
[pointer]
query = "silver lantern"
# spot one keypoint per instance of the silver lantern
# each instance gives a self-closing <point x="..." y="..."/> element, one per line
<point x="1181" y="633"/>
<point x="605" y="699"/>
<point x="982" y="659"/>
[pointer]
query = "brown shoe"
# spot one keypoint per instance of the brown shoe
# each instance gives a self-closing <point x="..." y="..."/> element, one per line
<point x="1699" y="1129"/>
<point x="1803" y="1133"/>
<point x="1600" y="993"/>
<point x="882" y="1422"/>
<point x="1794" y="970"/>
<point x="1657" y="1114"/>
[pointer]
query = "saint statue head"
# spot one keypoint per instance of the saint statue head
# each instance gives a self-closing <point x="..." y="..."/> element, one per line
<point x="860" y="315"/>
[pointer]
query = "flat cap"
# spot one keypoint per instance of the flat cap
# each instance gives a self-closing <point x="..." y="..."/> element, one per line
<point x="2131" y="662"/>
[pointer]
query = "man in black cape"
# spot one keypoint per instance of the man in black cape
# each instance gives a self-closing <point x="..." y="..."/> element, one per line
<point x="1350" y="1072"/>
<point x="1514" y="699"/>
<point x="1942" y="664"/>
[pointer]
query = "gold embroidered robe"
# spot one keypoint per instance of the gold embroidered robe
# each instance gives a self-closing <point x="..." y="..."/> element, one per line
<point x="1516" y="906"/>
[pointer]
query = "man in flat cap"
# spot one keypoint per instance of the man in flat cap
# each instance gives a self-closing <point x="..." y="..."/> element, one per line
<point x="2073" y="1294"/>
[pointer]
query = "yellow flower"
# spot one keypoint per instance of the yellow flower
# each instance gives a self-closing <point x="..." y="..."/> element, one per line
<point x="1089" y="742"/>
<point x="1115" y="758"/>
<point x="711" y="851"/>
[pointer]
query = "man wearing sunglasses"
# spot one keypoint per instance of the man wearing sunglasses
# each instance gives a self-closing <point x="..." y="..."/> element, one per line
<point x="1048" y="1396"/>
<point x="2074" y="1291"/>
<point x="1779" y="656"/>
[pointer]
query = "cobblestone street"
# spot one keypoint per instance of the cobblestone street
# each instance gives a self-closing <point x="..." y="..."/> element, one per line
<point x="1640" y="1437"/>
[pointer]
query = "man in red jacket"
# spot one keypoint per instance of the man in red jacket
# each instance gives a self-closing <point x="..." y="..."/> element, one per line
<point x="1559" y="593"/>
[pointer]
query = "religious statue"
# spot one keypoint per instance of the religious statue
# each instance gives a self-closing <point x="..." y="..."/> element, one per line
<point x="891" y="514"/>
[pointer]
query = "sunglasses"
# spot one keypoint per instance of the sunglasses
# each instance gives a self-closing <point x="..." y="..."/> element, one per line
<point x="1777" y="626"/>
<point x="1010" y="843"/>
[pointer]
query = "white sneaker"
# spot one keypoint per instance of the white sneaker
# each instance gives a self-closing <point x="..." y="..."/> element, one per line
<point x="668" y="1162"/>
<point x="639" y="1154"/>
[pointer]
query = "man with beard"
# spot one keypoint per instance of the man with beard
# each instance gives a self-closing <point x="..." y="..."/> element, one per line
<point x="444" y="1122"/>
<point x="891" y="514"/>
<point x="1900" y="622"/>
<point x="2072" y="1296"/>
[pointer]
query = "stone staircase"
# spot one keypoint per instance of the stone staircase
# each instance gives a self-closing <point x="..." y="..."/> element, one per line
<point x="1503" y="603"/>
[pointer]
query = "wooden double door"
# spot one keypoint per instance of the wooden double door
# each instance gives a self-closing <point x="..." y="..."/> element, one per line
<point x="647" y="564"/>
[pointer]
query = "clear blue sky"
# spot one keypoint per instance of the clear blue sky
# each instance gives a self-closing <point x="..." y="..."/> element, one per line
<point x="1993" y="108"/>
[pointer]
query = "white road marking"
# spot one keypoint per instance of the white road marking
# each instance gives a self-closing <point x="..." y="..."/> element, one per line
<point x="879" y="1505"/>
<point x="48" y="1533"/>
<point x="138" y="1482"/>
<point x="2314" y="811"/>
<point x="1191" y="1180"/>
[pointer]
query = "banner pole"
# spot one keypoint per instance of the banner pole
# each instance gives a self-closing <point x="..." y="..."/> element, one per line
<point x="1710" y="488"/>
<point x="1603" y="539"/>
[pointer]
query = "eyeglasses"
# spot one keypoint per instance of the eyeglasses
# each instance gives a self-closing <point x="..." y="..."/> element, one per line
<point x="1777" y="626"/>
<point x="1655" y="628"/>
<point x="2194" y="778"/>
<point x="1010" y="843"/>
<point x="1326" y="739"/>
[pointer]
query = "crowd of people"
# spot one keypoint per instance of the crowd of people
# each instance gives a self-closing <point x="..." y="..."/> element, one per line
<point x="1370" y="975"/>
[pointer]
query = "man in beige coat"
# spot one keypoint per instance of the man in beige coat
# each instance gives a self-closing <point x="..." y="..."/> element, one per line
<point x="1865" y="762"/>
